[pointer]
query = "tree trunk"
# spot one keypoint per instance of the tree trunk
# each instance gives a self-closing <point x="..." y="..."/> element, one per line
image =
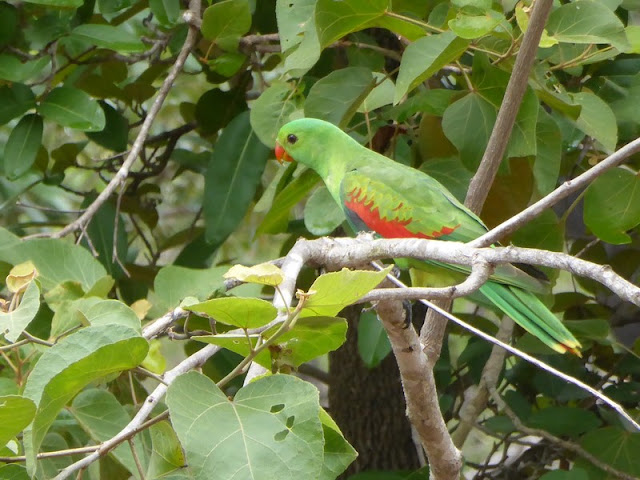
<point x="368" y="405"/>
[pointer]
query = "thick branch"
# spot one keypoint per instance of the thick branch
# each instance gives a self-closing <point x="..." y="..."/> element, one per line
<point x="423" y="409"/>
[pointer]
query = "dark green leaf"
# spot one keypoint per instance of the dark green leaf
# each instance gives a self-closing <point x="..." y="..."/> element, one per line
<point x="8" y="23"/>
<point x="232" y="178"/>
<point x="612" y="205"/>
<point x="546" y="167"/>
<point x="58" y="3"/>
<point x="73" y="108"/>
<point x="373" y="343"/>
<point x="225" y="22"/>
<point x="22" y="146"/>
<point x="573" y="474"/>
<point x="101" y="232"/>
<point x="14" y="101"/>
<point x="564" y="420"/>
<point x="424" y="57"/>
<point x="614" y="447"/>
<point x="467" y="123"/>
<point x="108" y="36"/>
<point x="337" y="96"/>
<point x="336" y="19"/>
<point x="14" y="70"/>
<point x="271" y="429"/>
<point x="115" y="135"/>
<point x="451" y="173"/>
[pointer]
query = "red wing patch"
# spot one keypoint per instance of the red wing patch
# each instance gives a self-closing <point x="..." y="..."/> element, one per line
<point x="387" y="227"/>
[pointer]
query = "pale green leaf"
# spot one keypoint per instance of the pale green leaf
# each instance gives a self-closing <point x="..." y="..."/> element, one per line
<point x="69" y="365"/>
<point x="597" y="120"/>
<point x="333" y="291"/>
<point x="263" y="273"/>
<point x="173" y="283"/>
<point x="336" y="19"/>
<point x="322" y="215"/>
<point x="270" y="430"/>
<point x="13" y="323"/>
<point x="225" y="22"/>
<point x="16" y="413"/>
<point x="239" y="312"/>
<point x="298" y="34"/>
<point x="272" y="109"/>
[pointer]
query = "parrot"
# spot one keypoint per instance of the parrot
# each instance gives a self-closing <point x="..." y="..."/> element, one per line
<point x="377" y="194"/>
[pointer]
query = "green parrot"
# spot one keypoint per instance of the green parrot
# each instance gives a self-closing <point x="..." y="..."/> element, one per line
<point x="395" y="201"/>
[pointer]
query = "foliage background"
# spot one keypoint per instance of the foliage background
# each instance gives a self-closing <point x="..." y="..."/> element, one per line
<point x="419" y="81"/>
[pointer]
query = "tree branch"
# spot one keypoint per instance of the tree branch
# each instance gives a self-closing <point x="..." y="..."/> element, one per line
<point x="138" y="144"/>
<point x="563" y="191"/>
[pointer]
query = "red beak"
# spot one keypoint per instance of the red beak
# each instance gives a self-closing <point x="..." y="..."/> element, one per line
<point x="282" y="155"/>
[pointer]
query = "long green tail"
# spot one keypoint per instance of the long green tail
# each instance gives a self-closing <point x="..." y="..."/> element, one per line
<point x="531" y="314"/>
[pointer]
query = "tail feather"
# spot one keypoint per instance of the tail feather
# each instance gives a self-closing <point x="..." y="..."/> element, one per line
<point x="531" y="314"/>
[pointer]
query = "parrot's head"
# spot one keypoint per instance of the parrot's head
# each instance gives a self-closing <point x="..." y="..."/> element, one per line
<point x="308" y="141"/>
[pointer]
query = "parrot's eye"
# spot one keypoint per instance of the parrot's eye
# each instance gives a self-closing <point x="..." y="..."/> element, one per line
<point x="291" y="138"/>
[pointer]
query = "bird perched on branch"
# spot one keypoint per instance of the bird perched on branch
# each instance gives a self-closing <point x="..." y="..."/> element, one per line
<point x="395" y="201"/>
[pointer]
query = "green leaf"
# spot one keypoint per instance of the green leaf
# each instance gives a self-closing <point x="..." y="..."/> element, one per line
<point x="166" y="11"/>
<point x="322" y="215"/>
<point x="108" y="36"/>
<point x="232" y="177"/>
<point x="101" y="232"/>
<point x="564" y="420"/>
<point x="173" y="283"/>
<point x="16" y="413"/>
<point x="71" y="364"/>
<point x="311" y="338"/>
<point x="336" y="19"/>
<point x="239" y="312"/>
<point x="467" y="123"/>
<point x="451" y="173"/>
<point x="333" y="291"/>
<point x="337" y="96"/>
<point x="338" y="453"/>
<point x="272" y="109"/>
<point x="56" y="261"/>
<point x="276" y="220"/>
<point x="110" y="312"/>
<point x="615" y="447"/>
<point x="9" y="18"/>
<point x="586" y="21"/>
<point x="546" y="167"/>
<point x="58" y="3"/>
<point x="271" y="429"/>
<point x="298" y="34"/>
<point x="225" y="22"/>
<point x="115" y="135"/>
<point x="13" y="323"/>
<point x="597" y="119"/>
<point x="424" y="57"/>
<point x="215" y="109"/>
<point x="13" y="471"/>
<point x="102" y="416"/>
<point x="22" y="146"/>
<point x="166" y="454"/>
<point x="475" y="26"/>
<point x="612" y="205"/>
<point x="13" y="70"/>
<point x="15" y="100"/>
<point x="73" y="108"/>
<point x="373" y="342"/>
<point x="523" y="136"/>
<point x="380" y="96"/>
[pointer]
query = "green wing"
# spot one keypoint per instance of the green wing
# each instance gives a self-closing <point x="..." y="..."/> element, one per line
<point x="398" y="202"/>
